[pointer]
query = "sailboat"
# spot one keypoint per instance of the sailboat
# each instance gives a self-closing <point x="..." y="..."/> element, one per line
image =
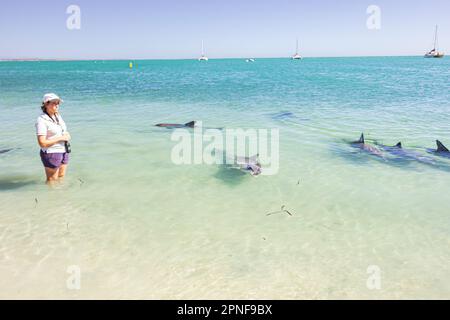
<point x="296" y="56"/>
<point x="203" y="57"/>
<point x="434" y="53"/>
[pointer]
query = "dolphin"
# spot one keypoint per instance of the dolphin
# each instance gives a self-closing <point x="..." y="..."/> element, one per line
<point x="441" y="150"/>
<point x="398" y="151"/>
<point x="5" y="150"/>
<point x="286" y="116"/>
<point x="361" y="144"/>
<point x="283" y="115"/>
<point x="245" y="164"/>
<point x="176" y="125"/>
<point x="250" y="164"/>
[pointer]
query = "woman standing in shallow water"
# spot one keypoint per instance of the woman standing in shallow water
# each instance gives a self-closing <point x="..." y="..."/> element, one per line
<point x="53" y="139"/>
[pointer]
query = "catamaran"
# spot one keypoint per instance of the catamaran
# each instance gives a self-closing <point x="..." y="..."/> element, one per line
<point x="434" y="53"/>
<point x="203" y="57"/>
<point x="296" y="56"/>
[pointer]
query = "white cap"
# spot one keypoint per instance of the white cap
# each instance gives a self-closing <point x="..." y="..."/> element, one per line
<point x="49" y="97"/>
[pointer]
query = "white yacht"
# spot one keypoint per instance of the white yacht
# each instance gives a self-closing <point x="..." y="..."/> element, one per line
<point x="203" y="57"/>
<point x="296" y="56"/>
<point x="434" y="53"/>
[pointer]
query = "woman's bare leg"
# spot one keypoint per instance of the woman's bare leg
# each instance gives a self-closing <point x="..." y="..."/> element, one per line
<point x="52" y="175"/>
<point x="62" y="171"/>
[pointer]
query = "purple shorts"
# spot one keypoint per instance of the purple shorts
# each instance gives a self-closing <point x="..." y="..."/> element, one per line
<point x="54" y="160"/>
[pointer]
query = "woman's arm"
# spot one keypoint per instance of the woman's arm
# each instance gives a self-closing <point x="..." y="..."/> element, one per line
<point x="47" y="143"/>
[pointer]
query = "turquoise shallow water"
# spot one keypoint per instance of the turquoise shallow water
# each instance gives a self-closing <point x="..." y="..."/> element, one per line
<point x="139" y="226"/>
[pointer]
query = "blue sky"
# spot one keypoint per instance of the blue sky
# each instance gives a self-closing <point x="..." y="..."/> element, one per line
<point x="171" y="29"/>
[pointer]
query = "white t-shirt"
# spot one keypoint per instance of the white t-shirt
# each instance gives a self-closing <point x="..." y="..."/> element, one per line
<point x="46" y="126"/>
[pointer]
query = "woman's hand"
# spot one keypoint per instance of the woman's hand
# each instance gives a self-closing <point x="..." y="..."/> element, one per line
<point x="47" y="143"/>
<point x="65" y="137"/>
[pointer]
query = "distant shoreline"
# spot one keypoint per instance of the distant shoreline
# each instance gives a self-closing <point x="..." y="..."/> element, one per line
<point x="180" y="59"/>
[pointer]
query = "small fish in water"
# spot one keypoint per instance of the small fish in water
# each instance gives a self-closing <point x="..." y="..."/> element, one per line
<point x="280" y="211"/>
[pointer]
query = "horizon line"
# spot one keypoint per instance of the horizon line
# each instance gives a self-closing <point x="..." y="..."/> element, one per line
<point x="170" y="59"/>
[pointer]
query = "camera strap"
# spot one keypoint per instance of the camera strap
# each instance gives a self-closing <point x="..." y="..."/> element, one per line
<point x="57" y="120"/>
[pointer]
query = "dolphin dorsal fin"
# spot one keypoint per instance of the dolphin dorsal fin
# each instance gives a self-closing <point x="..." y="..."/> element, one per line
<point x="190" y="124"/>
<point x="361" y="139"/>
<point x="253" y="158"/>
<point x="398" y="145"/>
<point x="441" y="147"/>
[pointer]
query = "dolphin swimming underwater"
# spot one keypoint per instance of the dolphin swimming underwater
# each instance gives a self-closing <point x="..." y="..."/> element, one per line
<point x="245" y="164"/>
<point x="398" y="151"/>
<point x="5" y="150"/>
<point x="361" y="144"/>
<point x="286" y="116"/>
<point x="176" y="125"/>
<point x="250" y="164"/>
<point x="282" y="115"/>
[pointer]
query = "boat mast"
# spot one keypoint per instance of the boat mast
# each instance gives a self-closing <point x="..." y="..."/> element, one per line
<point x="435" y="38"/>
<point x="296" y="48"/>
<point x="203" y="54"/>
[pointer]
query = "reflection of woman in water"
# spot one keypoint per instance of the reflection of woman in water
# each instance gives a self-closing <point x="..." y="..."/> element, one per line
<point x="53" y="138"/>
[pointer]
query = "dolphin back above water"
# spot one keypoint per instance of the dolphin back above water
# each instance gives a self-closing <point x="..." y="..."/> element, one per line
<point x="441" y="147"/>
<point x="400" y="152"/>
<point x="441" y="150"/>
<point x="190" y="124"/>
<point x="361" y="144"/>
